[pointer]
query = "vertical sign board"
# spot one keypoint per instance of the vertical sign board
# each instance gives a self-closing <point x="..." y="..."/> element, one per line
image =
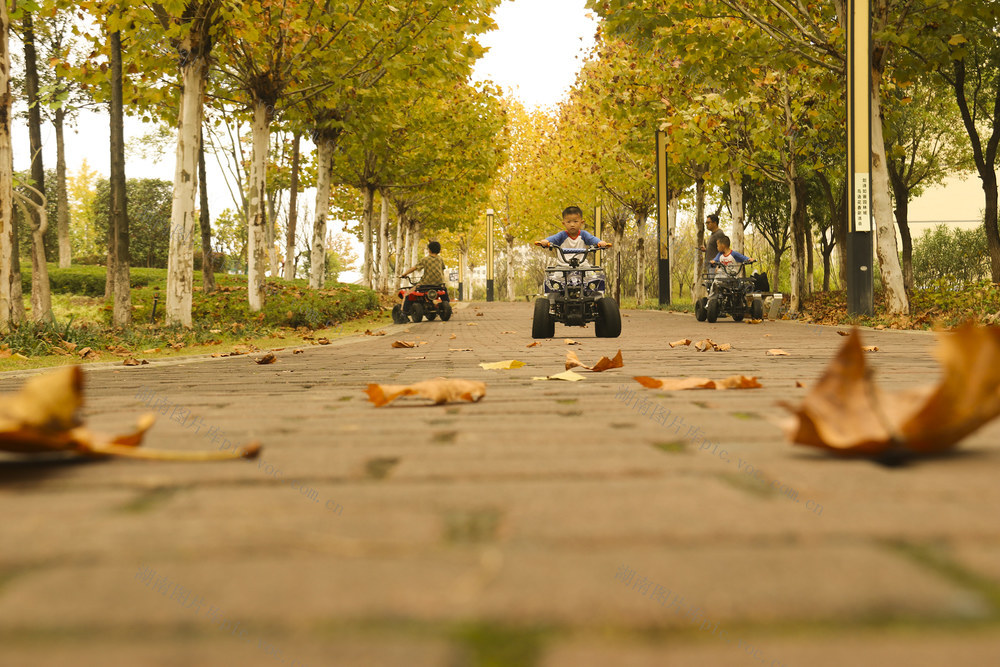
<point x="662" y="219"/>
<point x="859" y="169"/>
<point x="489" y="254"/>
<point x="598" y="227"/>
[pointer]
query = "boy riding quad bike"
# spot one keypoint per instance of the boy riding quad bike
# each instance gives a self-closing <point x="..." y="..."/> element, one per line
<point x="730" y="293"/>
<point x="575" y="296"/>
<point x="421" y="301"/>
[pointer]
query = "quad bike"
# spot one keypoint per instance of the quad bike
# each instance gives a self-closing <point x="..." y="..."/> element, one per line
<point x="574" y="297"/>
<point x="421" y="301"/>
<point x="730" y="292"/>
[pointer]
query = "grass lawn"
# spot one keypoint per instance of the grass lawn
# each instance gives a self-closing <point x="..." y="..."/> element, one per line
<point x="293" y="315"/>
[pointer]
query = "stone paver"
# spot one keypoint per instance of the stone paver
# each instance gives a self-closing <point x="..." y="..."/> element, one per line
<point x="550" y="520"/>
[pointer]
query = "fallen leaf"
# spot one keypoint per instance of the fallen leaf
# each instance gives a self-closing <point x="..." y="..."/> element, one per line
<point x="5" y="352"/>
<point x="298" y="351"/>
<point x="843" y="333"/>
<point x="753" y="321"/>
<point x="502" y="365"/>
<point x="479" y="314"/>
<point x="460" y="349"/>
<point x="59" y="351"/>
<point x="847" y="413"/>
<point x="403" y="343"/>
<point x="452" y="337"/>
<point x="535" y="344"/>
<point x="268" y="358"/>
<point x="675" y="384"/>
<point x="777" y="353"/>
<point x="88" y="353"/>
<point x="43" y="417"/>
<point x="570" y="341"/>
<point x="368" y="332"/>
<point x="216" y="355"/>
<point x="323" y="341"/>
<point x="682" y="341"/>
<point x="738" y="382"/>
<point x="767" y="335"/>
<point x="799" y="384"/>
<point x="215" y="330"/>
<point x="416" y="357"/>
<point x="132" y="361"/>
<point x="439" y="390"/>
<point x="508" y="332"/>
<point x="724" y="347"/>
<point x="603" y="364"/>
<point x="880" y="327"/>
<point x="278" y="349"/>
<point x="568" y="376"/>
<point x="68" y="345"/>
<point x="703" y="345"/>
<point x="151" y="350"/>
<point x="472" y="324"/>
<point x="870" y="348"/>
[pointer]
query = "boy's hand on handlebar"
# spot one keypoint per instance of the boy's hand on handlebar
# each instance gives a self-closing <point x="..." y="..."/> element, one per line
<point x="603" y="244"/>
<point x="543" y="243"/>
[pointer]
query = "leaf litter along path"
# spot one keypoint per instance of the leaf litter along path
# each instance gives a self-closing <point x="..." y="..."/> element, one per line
<point x="519" y="508"/>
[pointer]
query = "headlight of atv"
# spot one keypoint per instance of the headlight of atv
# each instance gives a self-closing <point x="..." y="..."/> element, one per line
<point x="432" y="293"/>
<point x="593" y="284"/>
<point x="556" y="284"/>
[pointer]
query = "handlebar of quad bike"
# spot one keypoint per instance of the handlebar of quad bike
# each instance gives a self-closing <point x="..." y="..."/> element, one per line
<point x="572" y="251"/>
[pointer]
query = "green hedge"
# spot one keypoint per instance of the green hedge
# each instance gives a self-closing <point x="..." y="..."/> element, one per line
<point x="87" y="280"/>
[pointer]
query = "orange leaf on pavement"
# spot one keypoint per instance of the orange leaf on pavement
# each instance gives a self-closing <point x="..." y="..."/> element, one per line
<point x="403" y="343"/>
<point x="703" y="345"/>
<point x="777" y="353"/>
<point x="439" y="390"/>
<point x="682" y="341"/>
<point x="739" y="382"/>
<point x="675" y="384"/>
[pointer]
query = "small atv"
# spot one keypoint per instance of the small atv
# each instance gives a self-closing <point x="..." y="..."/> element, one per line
<point x="574" y="297"/>
<point x="421" y="301"/>
<point x="732" y="294"/>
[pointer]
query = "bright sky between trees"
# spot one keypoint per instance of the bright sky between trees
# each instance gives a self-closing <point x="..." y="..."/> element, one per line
<point x="537" y="48"/>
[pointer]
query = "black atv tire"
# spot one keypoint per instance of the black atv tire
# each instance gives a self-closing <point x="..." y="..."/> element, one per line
<point x="712" y="310"/>
<point x="397" y="315"/>
<point x="445" y="312"/>
<point x="543" y="325"/>
<point x="416" y="312"/>
<point x="431" y="315"/>
<point x="757" y="309"/>
<point x="738" y="317"/>
<point x="699" y="309"/>
<point x="609" y="319"/>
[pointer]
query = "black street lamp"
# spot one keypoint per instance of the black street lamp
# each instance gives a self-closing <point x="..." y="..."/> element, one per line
<point x="489" y="254"/>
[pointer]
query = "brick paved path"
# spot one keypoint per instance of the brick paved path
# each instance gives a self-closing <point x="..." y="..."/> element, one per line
<point x="554" y="524"/>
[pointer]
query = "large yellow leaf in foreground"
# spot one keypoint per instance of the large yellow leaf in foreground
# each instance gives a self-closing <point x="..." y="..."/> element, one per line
<point x="846" y="412"/>
<point x="42" y="417"/>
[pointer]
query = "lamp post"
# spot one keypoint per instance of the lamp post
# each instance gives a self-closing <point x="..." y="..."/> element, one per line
<point x="859" y="166"/>
<point x="489" y="254"/>
<point x="662" y="220"/>
<point x="598" y="224"/>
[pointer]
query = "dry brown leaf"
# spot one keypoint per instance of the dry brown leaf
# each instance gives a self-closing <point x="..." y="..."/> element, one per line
<point x="682" y="341"/>
<point x="298" y="351"/>
<point x="753" y="321"/>
<point x="603" y="364"/>
<point x="403" y="343"/>
<point x="508" y="332"/>
<point x="506" y="365"/>
<point x="416" y="357"/>
<point x="460" y="349"/>
<point x="452" y="337"/>
<point x="723" y="347"/>
<point x="880" y="327"/>
<point x="268" y="358"/>
<point x="369" y="332"/>
<point x="151" y="350"/>
<point x="870" y="348"/>
<point x="841" y="332"/>
<point x="535" y="344"/>
<point x="703" y="345"/>
<point x="58" y="350"/>
<point x="439" y="390"/>
<point x="675" y="384"/>
<point x="479" y="314"/>
<point x="777" y="353"/>
<point x="570" y="341"/>
<point x="43" y="418"/>
<point x="132" y="361"/>
<point x="739" y="382"/>
<point x="799" y="384"/>
<point x="216" y="355"/>
<point x="88" y="353"/>
<point x="5" y="352"/>
<point x="847" y="413"/>
<point x="323" y="341"/>
<point x="472" y="324"/>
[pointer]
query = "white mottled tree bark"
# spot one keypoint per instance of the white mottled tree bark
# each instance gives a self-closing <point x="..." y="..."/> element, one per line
<point x="896" y="301"/>
<point x="256" y="205"/>
<point x="383" y="246"/>
<point x="739" y="214"/>
<point x="180" y="256"/>
<point x="317" y="263"/>
<point x="7" y="234"/>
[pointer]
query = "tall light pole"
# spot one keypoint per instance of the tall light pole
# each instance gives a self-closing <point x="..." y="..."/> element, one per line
<point x="662" y="219"/>
<point x="598" y="225"/>
<point x="489" y="254"/>
<point x="859" y="161"/>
